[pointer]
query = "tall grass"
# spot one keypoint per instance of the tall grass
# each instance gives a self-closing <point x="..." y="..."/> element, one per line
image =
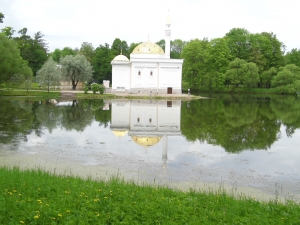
<point x="37" y="197"/>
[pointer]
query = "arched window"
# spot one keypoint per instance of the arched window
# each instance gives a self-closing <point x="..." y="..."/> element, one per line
<point x="151" y="73"/>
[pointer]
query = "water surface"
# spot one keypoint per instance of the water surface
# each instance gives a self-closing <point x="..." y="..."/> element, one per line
<point x="240" y="143"/>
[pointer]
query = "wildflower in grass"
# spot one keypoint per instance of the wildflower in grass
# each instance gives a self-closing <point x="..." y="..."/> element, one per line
<point x="96" y="199"/>
<point x="68" y="211"/>
<point x="36" y="217"/>
<point x="20" y="194"/>
<point x="9" y="193"/>
<point x="59" y="215"/>
<point x="14" y="191"/>
<point x="39" y="189"/>
<point x="53" y="218"/>
<point x="47" y="204"/>
<point x="97" y="214"/>
<point x="105" y="197"/>
<point x="21" y="221"/>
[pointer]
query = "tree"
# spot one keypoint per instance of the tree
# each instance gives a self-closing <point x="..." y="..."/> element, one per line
<point x="119" y="47"/>
<point x="161" y="43"/>
<point x="236" y="71"/>
<point x="8" y="32"/>
<point x="76" y="69"/>
<point x="101" y="62"/>
<point x="1" y="17"/>
<point x="238" y="43"/>
<point x="56" y="55"/>
<point x="10" y="60"/>
<point x="38" y="37"/>
<point x="68" y="51"/>
<point x="287" y="79"/>
<point x="49" y="74"/>
<point x="292" y="57"/>
<point x="267" y="76"/>
<point x="251" y="77"/>
<point x="32" y="50"/>
<point x="195" y="55"/>
<point x="217" y="62"/>
<point x="87" y="50"/>
<point x="176" y="48"/>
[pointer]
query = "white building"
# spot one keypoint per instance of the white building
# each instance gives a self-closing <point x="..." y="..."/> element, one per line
<point x="149" y="69"/>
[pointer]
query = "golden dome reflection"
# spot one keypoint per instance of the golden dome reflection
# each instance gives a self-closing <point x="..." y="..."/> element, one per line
<point x="148" y="48"/>
<point x="120" y="133"/>
<point x="146" y="141"/>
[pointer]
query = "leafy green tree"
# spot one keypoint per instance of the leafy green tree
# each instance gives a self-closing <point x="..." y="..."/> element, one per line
<point x="161" y="43"/>
<point x="238" y="43"/>
<point x="8" y="32"/>
<point x="32" y="50"/>
<point x="292" y="57"/>
<point x="119" y="47"/>
<point x="236" y="71"/>
<point x="195" y="55"/>
<point x="267" y="76"/>
<point x="101" y="63"/>
<point x="76" y="69"/>
<point x="38" y="37"/>
<point x="274" y="50"/>
<point x="49" y="74"/>
<point x="56" y="55"/>
<point x="176" y="48"/>
<point x="11" y="62"/>
<point x="87" y="50"/>
<point x="68" y="51"/>
<point x="1" y="17"/>
<point x="257" y="51"/>
<point x="251" y="76"/>
<point x="217" y="62"/>
<point x="287" y="79"/>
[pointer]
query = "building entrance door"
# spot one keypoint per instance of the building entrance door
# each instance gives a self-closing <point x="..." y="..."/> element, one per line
<point x="169" y="90"/>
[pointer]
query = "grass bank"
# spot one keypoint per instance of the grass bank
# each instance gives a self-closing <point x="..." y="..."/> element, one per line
<point x="37" y="197"/>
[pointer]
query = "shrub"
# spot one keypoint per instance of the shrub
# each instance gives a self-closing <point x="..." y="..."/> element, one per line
<point x="101" y="88"/>
<point x="95" y="87"/>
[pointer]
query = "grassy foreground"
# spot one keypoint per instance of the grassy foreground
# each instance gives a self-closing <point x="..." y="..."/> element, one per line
<point x="37" y="197"/>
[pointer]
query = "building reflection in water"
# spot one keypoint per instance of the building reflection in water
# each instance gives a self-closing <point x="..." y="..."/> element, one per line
<point x="146" y="122"/>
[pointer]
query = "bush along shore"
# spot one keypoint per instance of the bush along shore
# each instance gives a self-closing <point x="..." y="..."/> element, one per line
<point x="38" y="197"/>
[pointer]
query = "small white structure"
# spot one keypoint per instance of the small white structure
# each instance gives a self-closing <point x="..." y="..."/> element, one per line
<point x="106" y="83"/>
<point x="149" y="69"/>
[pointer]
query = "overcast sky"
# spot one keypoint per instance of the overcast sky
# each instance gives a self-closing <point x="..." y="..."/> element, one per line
<point x="71" y="22"/>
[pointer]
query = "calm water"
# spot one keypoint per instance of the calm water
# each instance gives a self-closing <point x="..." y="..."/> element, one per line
<point x="240" y="143"/>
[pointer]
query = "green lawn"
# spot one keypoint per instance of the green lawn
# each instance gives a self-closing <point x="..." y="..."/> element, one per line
<point x="37" y="197"/>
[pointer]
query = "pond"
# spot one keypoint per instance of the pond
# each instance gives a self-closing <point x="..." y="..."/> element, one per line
<point x="245" y="144"/>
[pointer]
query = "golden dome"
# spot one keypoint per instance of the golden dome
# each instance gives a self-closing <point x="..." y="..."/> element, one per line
<point x="121" y="58"/>
<point x="120" y="133"/>
<point x="146" y="141"/>
<point x="148" y="48"/>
